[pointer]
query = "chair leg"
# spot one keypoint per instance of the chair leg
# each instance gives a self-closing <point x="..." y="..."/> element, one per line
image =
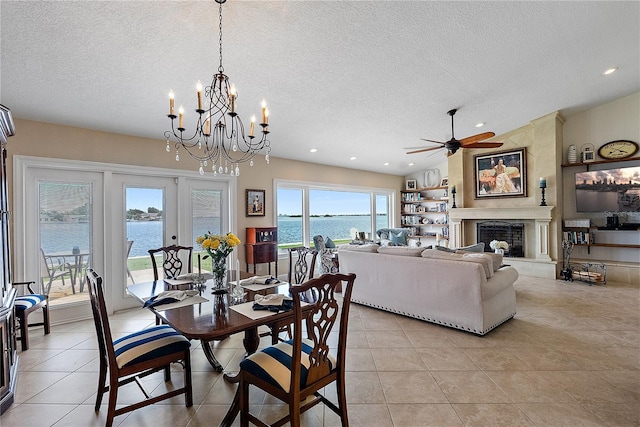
<point x="113" y="398"/>
<point x="188" y="394"/>
<point x="102" y="377"/>
<point x="342" y="401"/>
<point x="244" y="402"/>
<point x="167" y="373"/>
<point x="45" y="319"/>
<point x="24" y="332"/>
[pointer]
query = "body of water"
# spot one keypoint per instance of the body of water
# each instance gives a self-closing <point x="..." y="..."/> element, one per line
<point x="63" y="236"/>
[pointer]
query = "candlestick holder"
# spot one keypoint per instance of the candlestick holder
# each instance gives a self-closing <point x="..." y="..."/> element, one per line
<point x="543" y="202"/>
<point x="453" y="195"/>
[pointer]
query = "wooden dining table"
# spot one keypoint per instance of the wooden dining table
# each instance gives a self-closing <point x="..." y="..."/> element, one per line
<point x="214" y="320"/>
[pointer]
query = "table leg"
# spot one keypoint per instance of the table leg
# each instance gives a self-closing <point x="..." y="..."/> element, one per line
<point x="251" y="342"/>
<point x="211" y="358"/>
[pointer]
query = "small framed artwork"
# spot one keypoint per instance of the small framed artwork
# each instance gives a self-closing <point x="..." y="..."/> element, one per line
<point x="502" y="174"/>
<point x="255" y="202"/>
<point x="444" y="182"/>
<point x="411" y="184"/>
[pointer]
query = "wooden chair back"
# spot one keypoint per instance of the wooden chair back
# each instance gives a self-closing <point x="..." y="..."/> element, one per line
<point x="172" y="260"/>
<point x="322" y="368"/>
<point x="302" y="264"/>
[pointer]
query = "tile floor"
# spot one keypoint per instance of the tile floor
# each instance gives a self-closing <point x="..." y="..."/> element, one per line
<point x="570" y="357"/>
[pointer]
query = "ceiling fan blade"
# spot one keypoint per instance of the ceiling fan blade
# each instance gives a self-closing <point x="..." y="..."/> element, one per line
<point x="483" y="145"/>
<point x="431" y="140"/>
<point x="425" y="149"/>
<point x="478" y="137"/>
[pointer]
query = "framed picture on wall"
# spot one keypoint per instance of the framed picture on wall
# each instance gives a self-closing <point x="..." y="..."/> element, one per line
<point x="502" y="174"/>
<point x="255" y="202"/>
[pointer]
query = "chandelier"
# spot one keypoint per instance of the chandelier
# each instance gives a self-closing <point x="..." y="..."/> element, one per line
<point x="219" y="136"/>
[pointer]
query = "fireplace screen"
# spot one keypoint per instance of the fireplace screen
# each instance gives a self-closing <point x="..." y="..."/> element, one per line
<point x="512" y="233"/>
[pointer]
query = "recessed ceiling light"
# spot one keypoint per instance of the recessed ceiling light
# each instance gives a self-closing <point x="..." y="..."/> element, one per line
<point x="313" y="150"/>
<point x="411" y="164"/>
<point x="352" y="158"/>
<point x="610" y="71"/>
<point x="479" y="125"/>
<point x="386" y="164"/>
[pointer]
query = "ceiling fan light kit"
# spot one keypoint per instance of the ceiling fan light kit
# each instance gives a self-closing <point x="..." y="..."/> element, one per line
<point x="453" y="145"/>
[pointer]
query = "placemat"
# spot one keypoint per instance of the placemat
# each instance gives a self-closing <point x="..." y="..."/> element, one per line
<point x="196" y="299"/>
<point x="246" y="309"/>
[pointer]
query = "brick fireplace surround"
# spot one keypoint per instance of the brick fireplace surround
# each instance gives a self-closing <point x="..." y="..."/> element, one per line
<point x="537" y="260"/>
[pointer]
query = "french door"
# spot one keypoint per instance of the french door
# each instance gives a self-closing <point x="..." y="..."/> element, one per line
<point x="84" y="214"/>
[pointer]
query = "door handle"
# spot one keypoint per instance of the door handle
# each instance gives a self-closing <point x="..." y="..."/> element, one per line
<point x="173" y="237"/>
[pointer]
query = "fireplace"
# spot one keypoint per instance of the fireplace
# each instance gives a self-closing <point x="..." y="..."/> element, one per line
<point x="510" y="232"/>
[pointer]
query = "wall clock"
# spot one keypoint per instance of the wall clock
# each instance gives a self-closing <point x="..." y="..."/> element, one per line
<point x="620" y="149"/>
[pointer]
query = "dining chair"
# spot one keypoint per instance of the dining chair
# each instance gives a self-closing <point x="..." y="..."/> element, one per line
<point x="302" y="262"/>
<point x="53" y="270"/>
<point x="26" y="303"/>
<point x="135" y="356"/>
<point x="172" y="263"/>
<point x="297" y="370"/>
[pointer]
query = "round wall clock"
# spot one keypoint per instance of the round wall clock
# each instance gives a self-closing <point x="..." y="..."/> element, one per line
<point x="620" y="149"/>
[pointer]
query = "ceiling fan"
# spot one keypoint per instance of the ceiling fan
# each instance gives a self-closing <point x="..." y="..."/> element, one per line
<point x="454" y="144"/>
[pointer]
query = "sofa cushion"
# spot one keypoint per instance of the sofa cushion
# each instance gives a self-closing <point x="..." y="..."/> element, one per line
<point x="444" y="249"/>
<point x="478" y="247"/>
<point x="438" y="254"/>
<point x="485" y="260"/>
<point x="400" y="250"/>
<point x="373" y="248"/>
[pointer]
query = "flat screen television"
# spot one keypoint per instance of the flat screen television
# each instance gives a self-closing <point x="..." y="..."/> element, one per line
<point x="609" y="190"/>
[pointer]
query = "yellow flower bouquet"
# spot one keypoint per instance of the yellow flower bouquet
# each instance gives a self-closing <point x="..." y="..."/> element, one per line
<point x="218" y="247"/>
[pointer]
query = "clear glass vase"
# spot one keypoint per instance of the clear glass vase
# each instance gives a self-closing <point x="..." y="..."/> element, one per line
<point x="219" y="271"/>
<point x="499" y="251"/>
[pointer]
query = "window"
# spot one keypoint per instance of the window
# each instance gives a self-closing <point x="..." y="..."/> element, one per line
<point x="305" y="210"/>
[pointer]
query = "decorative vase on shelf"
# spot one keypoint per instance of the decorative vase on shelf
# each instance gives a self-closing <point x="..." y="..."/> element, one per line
<point x="499" y="251"/>
<point x="572" y="155"/>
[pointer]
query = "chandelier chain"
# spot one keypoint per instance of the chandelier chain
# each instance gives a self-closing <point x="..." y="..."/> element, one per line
<point x="220" y="67"/>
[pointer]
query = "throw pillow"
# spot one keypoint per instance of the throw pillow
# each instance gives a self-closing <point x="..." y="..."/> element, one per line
<point x="444" y="249"/>
<point x="478" y="247"/>
<point x="398" y="238"/>
<point x="329" y="244"/>
<point x="496" y="258"/>
<point x="485" y="260"/>
<point x="372" y="248"/>
<point x="400" y="250"/>
<point x="435" y="253"/>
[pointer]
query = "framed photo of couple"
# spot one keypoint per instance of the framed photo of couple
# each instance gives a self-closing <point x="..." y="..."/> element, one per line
<point x="502" y="174"/>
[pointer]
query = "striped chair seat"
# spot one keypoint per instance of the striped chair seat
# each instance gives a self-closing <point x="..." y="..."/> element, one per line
<point x="148" y="344"/>
<point x="273" y="364"/>
<point x="25" y="302"/>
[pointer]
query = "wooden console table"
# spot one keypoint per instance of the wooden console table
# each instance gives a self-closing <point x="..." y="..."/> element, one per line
<point x="261" y="247"/>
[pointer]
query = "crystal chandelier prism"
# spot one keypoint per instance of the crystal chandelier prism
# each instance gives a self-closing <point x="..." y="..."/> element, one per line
<point x="219" y="137"/>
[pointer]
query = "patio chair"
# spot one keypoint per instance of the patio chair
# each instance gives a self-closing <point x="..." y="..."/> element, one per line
<point x="54" y="268"/>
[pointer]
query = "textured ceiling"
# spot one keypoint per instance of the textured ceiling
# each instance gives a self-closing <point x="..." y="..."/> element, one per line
<point x="361" y="79"/>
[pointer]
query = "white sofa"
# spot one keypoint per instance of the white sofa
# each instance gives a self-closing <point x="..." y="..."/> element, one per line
<point x="450" y="289"/>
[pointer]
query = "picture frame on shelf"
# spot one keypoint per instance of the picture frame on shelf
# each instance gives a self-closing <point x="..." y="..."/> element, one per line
<point x="255" y="202"/>
<point x="411" y="184"/>
<point x="444" y="182"/>
<point x="500" y="174"/>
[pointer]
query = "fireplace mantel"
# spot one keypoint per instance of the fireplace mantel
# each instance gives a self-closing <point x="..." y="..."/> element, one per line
<point x="540" y="214"/>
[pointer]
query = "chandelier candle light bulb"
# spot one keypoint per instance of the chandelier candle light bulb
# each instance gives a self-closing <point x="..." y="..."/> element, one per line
<point x="199" y="90"/>
<point x="172" y="97"/>
<point x="181" y="120"/>
<point x="253" y="124"/>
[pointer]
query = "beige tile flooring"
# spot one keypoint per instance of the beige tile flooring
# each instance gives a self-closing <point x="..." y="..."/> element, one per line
<point x="570" y="357"/>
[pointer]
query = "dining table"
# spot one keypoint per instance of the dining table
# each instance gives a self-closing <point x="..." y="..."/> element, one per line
<point x="212" y="317"/>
